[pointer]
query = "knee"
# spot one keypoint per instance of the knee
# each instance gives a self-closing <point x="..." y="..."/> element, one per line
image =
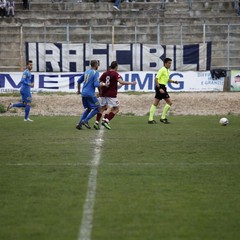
<point x="116" y="110"/>
<point x="169" y="102"/>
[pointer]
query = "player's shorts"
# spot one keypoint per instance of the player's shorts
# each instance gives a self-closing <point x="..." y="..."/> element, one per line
<point x="108" y="101"/>
<point x="159" y="95"/>
<point x="90" y="102"/>
<point x="26" y="96"/>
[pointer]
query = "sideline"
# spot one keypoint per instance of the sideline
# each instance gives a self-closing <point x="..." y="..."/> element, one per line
<point x="88" y="209"/>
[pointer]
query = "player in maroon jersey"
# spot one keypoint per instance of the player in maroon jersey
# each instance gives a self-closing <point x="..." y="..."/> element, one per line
<point x="109" y="95"/>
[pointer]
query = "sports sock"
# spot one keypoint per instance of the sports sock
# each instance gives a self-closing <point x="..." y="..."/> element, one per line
<point x="84" y="115"/>
<point x="91" y="114"/>
<point x="27" y="111"/>
<point x="152" y="111"/>
<point x="105" y="117"/>
<point x="18" y="105"/>
<point x="98" y="118"/>
<point x="165" y="111"/>
<point x="110" y="116"/>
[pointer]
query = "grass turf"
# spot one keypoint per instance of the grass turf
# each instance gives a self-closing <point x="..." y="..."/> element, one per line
<point x="176" y="181"/>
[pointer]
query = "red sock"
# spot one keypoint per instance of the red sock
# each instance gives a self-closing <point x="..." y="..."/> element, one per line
<point x="106" y="116"/>
<point x="111" y="116"/>
<point x="98" y="118"/>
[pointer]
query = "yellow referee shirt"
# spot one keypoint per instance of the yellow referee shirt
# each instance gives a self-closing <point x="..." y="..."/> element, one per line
<point x="163" y="76"/>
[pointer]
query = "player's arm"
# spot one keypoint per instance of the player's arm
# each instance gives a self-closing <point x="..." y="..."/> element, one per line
<point x="80" y="80"/>
<point x="157" y="83"/>
<point x="159" y="86"/>
<point x="173" y="81"/>
<point x="25" y="81"/>
<point x="101" y="85"/>
<point x="103" y="82"/>
<point x="119" y="85"/>
<point x="126" y="83"/>
<point x="78" y="88"/>
<point x="99" y="93"/>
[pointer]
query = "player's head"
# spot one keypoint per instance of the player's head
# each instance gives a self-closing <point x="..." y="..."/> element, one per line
<point x="114" y="65"/>
<point x="29" y="65"/>
<point x="167" y="62"/>
<point x="94" y="64"/>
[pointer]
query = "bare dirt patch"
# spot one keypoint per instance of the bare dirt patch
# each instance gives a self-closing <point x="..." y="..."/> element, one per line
<point x="210" y="103"/>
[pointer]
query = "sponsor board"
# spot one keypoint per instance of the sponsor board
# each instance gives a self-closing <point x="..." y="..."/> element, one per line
<point x="189" y="81"/>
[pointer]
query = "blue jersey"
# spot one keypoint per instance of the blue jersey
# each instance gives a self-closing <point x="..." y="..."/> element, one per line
<point x="26" y="81"/>
<point x="90" y="82"/>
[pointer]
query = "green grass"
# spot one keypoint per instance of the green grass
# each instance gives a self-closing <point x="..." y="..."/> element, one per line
<point x="176" y="181"/>
<point x="2" y="108"/>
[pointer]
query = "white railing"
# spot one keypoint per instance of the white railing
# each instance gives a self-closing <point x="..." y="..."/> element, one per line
<point x="225" y="39"/>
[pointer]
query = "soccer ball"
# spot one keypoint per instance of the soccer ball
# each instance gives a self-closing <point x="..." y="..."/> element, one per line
<point x="224" y="121"/>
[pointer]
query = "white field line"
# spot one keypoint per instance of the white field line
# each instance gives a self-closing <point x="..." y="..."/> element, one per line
<point x="120" y="164"/>
<point x="88" y="209"/>
<point x="46" y="164"/>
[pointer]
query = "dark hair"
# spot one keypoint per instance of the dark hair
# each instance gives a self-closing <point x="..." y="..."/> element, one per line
<point x="166" y="60"/>
<point x="28" y="61"/>
<point x="113" y="65"/>
<point x="94" y="63"/>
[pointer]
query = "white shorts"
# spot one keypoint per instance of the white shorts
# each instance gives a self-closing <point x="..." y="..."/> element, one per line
<point x="111" y="102"/>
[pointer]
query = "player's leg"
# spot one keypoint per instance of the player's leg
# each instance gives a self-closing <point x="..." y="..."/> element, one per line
<point x="166" y="108"/>
<point x="27" y="112"/>
<point x="27" y="99"/>
<point x="114" y="105"/>
<point x="82" y="120"/>
<point x="103" y="105"/>
<point x="152" y="111"/>
<point x="100" y="113"/>
<point x="98" y="117"/>
<point x="93" y="105"/>
<point x="26" y="102"/>
<point x="85" y="113"/>
<point x="154" y="105"/>
<point x="107" y="118"/>
<point x="91" y="114"/>
<point x="107" y="111"/>
<point x="18" y="105"/>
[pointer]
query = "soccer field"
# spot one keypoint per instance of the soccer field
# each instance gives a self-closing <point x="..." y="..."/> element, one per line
<point x="135" y="182"/>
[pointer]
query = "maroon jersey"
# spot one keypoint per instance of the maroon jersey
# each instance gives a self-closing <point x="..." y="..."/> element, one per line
<point x="112" y="77"/>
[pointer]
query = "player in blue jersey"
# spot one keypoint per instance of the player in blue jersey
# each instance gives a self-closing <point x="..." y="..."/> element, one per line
<point x="26" y="84"/>
<point x="90" y="81"/>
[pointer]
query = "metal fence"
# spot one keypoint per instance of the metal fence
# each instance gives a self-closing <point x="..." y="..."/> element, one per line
<point x="225" y="39"/>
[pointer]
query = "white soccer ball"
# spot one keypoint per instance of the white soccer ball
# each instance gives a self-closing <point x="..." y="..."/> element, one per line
<point x="224" y="121"/>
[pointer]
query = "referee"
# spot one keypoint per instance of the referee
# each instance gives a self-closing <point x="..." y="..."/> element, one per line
<point x="161" y="80"/>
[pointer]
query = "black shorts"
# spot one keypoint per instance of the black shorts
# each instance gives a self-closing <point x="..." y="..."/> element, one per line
<point x="159" y="95"/>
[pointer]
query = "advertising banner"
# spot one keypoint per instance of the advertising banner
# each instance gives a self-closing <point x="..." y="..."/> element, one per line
<point x="67" y="82"/>
<point x="235" y="80"/>
<point x="68" y="57"/>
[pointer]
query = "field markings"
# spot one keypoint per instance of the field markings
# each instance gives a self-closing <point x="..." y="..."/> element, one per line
<point x="88" y="208"/>
<point x="121" y="164"/>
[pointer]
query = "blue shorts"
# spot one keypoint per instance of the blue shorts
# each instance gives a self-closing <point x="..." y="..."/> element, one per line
<point x="26" y="96"/>
<point x="90" y="102"/>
